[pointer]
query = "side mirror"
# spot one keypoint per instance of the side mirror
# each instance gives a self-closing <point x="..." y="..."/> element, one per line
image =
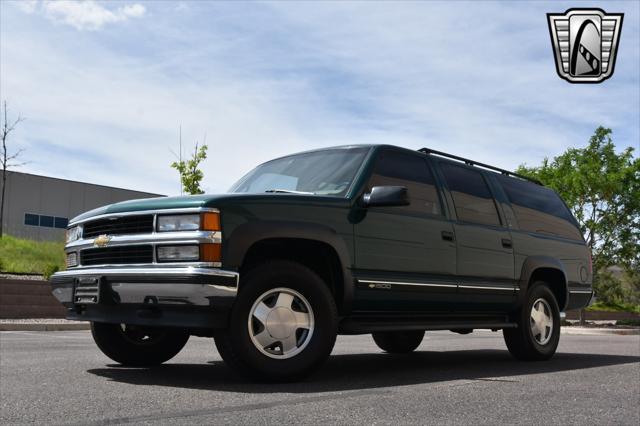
<point x="386" y="196"/>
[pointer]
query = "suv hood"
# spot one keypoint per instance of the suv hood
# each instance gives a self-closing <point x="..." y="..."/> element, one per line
<point x="205" y="200"/>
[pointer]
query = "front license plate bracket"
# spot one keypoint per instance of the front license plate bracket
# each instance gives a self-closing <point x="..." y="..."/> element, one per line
<point x="87" y="290"/>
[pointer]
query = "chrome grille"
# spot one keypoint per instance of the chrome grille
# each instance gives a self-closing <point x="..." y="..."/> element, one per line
<point x="117" y="255"/>
<point x="135" y="224"/>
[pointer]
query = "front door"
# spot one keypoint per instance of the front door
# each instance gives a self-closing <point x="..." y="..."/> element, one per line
<point x="485" y="267"/>
<point x="405" y="255"/>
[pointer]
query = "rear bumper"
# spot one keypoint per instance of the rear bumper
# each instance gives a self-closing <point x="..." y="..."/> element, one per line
<point x="176" y="296"/>
<point x="580" y="297"/>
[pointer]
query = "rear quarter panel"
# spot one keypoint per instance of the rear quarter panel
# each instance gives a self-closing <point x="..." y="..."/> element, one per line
<point x="572" y="255"/>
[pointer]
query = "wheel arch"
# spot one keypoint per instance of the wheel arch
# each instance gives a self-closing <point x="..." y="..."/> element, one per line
<point x="549" y="270"/>
<point x="316" y="246"/>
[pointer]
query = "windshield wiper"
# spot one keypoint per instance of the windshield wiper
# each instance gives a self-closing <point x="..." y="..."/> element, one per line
<point x="287" y="191"/>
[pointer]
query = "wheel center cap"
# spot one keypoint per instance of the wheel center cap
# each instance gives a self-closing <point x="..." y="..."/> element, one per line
<point x="280" y="323"/>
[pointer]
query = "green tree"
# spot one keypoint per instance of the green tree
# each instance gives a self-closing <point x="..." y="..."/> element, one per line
<point x="190" y="173"/>
<point x="602" y="189"/>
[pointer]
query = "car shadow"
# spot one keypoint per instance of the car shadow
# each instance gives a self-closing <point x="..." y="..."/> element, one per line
<point x="365" y="371"/>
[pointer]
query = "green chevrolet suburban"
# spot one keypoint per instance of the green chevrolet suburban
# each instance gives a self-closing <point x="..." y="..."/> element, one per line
<point x="348" y="240"/>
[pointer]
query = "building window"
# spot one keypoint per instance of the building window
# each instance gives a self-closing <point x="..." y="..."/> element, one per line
<point x="60" y="222"/>
<point x="46" y="221"/>
<point x="31" y="219"/>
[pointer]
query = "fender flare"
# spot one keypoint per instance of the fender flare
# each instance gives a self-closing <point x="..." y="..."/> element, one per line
<point x="246" y="235"/>
<point x="530" y="266"/>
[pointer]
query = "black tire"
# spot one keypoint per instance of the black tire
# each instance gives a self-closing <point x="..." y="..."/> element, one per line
<point x="398" y="342"/>
<point x="521" y="342"/>
<point x="138" y="346"/>
<point x="235" y="343"/>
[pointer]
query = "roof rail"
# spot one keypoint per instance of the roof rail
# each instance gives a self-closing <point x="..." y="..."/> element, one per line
<point x="477" y="164"/>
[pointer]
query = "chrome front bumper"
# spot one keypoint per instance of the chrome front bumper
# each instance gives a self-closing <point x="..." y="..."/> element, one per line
<point x="186" y="286"/>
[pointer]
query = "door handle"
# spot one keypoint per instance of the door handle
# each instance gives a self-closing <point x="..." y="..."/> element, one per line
<point x="447" y="236"/>
<point x="506" y="243"/>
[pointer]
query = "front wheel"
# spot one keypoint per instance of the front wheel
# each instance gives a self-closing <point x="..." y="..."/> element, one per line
<point x="538" y="333"/>
<point x="138" y="346"/>
<point x="283" y="324"/>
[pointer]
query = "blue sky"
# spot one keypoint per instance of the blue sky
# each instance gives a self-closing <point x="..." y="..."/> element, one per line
<point x="105" y="85"/>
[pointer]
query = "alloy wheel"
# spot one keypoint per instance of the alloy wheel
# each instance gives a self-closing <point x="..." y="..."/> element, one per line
<point x="541" y="320"/>
<point x="281" y="323"/>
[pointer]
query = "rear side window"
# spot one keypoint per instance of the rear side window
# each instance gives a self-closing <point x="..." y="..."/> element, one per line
<point x="471" y="195"/>
<point x="400" y="169"/>
<point x="539" y="209"/>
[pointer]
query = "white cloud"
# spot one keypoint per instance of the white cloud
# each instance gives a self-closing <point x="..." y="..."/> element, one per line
<point x="122" y="119"/>
<point x="27" y="6"/>
<point x="133" y="10"/>
<point x="82" y="15"/>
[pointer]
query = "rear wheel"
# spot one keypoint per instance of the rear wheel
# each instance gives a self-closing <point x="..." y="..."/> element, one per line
<point x="398" y="342"/>
<point x="283" y="324"/>
<point x="538" y="332"/>
<point x="136" y="345"/>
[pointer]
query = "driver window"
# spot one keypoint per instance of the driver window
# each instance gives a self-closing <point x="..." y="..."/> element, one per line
<point x="409" y="170"/>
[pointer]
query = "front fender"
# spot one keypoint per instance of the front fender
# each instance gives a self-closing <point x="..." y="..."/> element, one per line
<point x="244" y="236"/>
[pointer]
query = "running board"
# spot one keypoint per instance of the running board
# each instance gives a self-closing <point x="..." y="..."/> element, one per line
<point x="370" y="325"/>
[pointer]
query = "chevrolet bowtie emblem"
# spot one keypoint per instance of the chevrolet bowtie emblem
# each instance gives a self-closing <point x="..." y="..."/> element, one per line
<point x="585" y="43"/>
<point x="101" y="240"/>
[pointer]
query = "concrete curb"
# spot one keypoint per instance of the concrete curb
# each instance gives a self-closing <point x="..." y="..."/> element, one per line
<point x="44" y="326"/>
<point x="585" y="331"/>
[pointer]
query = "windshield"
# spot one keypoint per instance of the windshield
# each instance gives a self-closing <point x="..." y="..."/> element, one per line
<point x="327" y="172"/>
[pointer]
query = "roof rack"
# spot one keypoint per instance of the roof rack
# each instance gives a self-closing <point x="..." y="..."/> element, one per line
<point x="477" y="164"/>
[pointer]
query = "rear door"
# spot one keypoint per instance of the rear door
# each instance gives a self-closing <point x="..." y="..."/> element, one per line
<point x="405" y="255"/>
<point x="485" y="260"/>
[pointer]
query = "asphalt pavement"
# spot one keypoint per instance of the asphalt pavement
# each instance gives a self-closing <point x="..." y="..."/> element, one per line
<point x="62" y="378"/>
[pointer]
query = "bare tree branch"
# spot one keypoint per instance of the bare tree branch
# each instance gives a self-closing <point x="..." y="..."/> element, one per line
<point x="14" y="156"/>
<point x="13" y="165"/>
<point x="174" y="154"/>
<point x="6" y="158"/>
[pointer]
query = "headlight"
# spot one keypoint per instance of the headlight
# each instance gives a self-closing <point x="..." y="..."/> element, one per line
<point x="178" y="253"/>
<point x="208" y="221"/>
<point x="73" y="234"/>
<point x="183" y="222"/>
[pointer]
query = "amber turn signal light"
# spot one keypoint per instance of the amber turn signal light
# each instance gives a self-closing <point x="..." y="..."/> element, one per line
<point x="210" y="252"/>
<point x="210" y="221"/>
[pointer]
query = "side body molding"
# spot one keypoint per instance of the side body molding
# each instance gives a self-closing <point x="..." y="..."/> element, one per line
<point x="246" y="235"/>
<point x="534" y="263"/>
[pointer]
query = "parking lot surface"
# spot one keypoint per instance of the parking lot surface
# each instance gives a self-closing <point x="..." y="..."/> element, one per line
<point x="62" y="378"/>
